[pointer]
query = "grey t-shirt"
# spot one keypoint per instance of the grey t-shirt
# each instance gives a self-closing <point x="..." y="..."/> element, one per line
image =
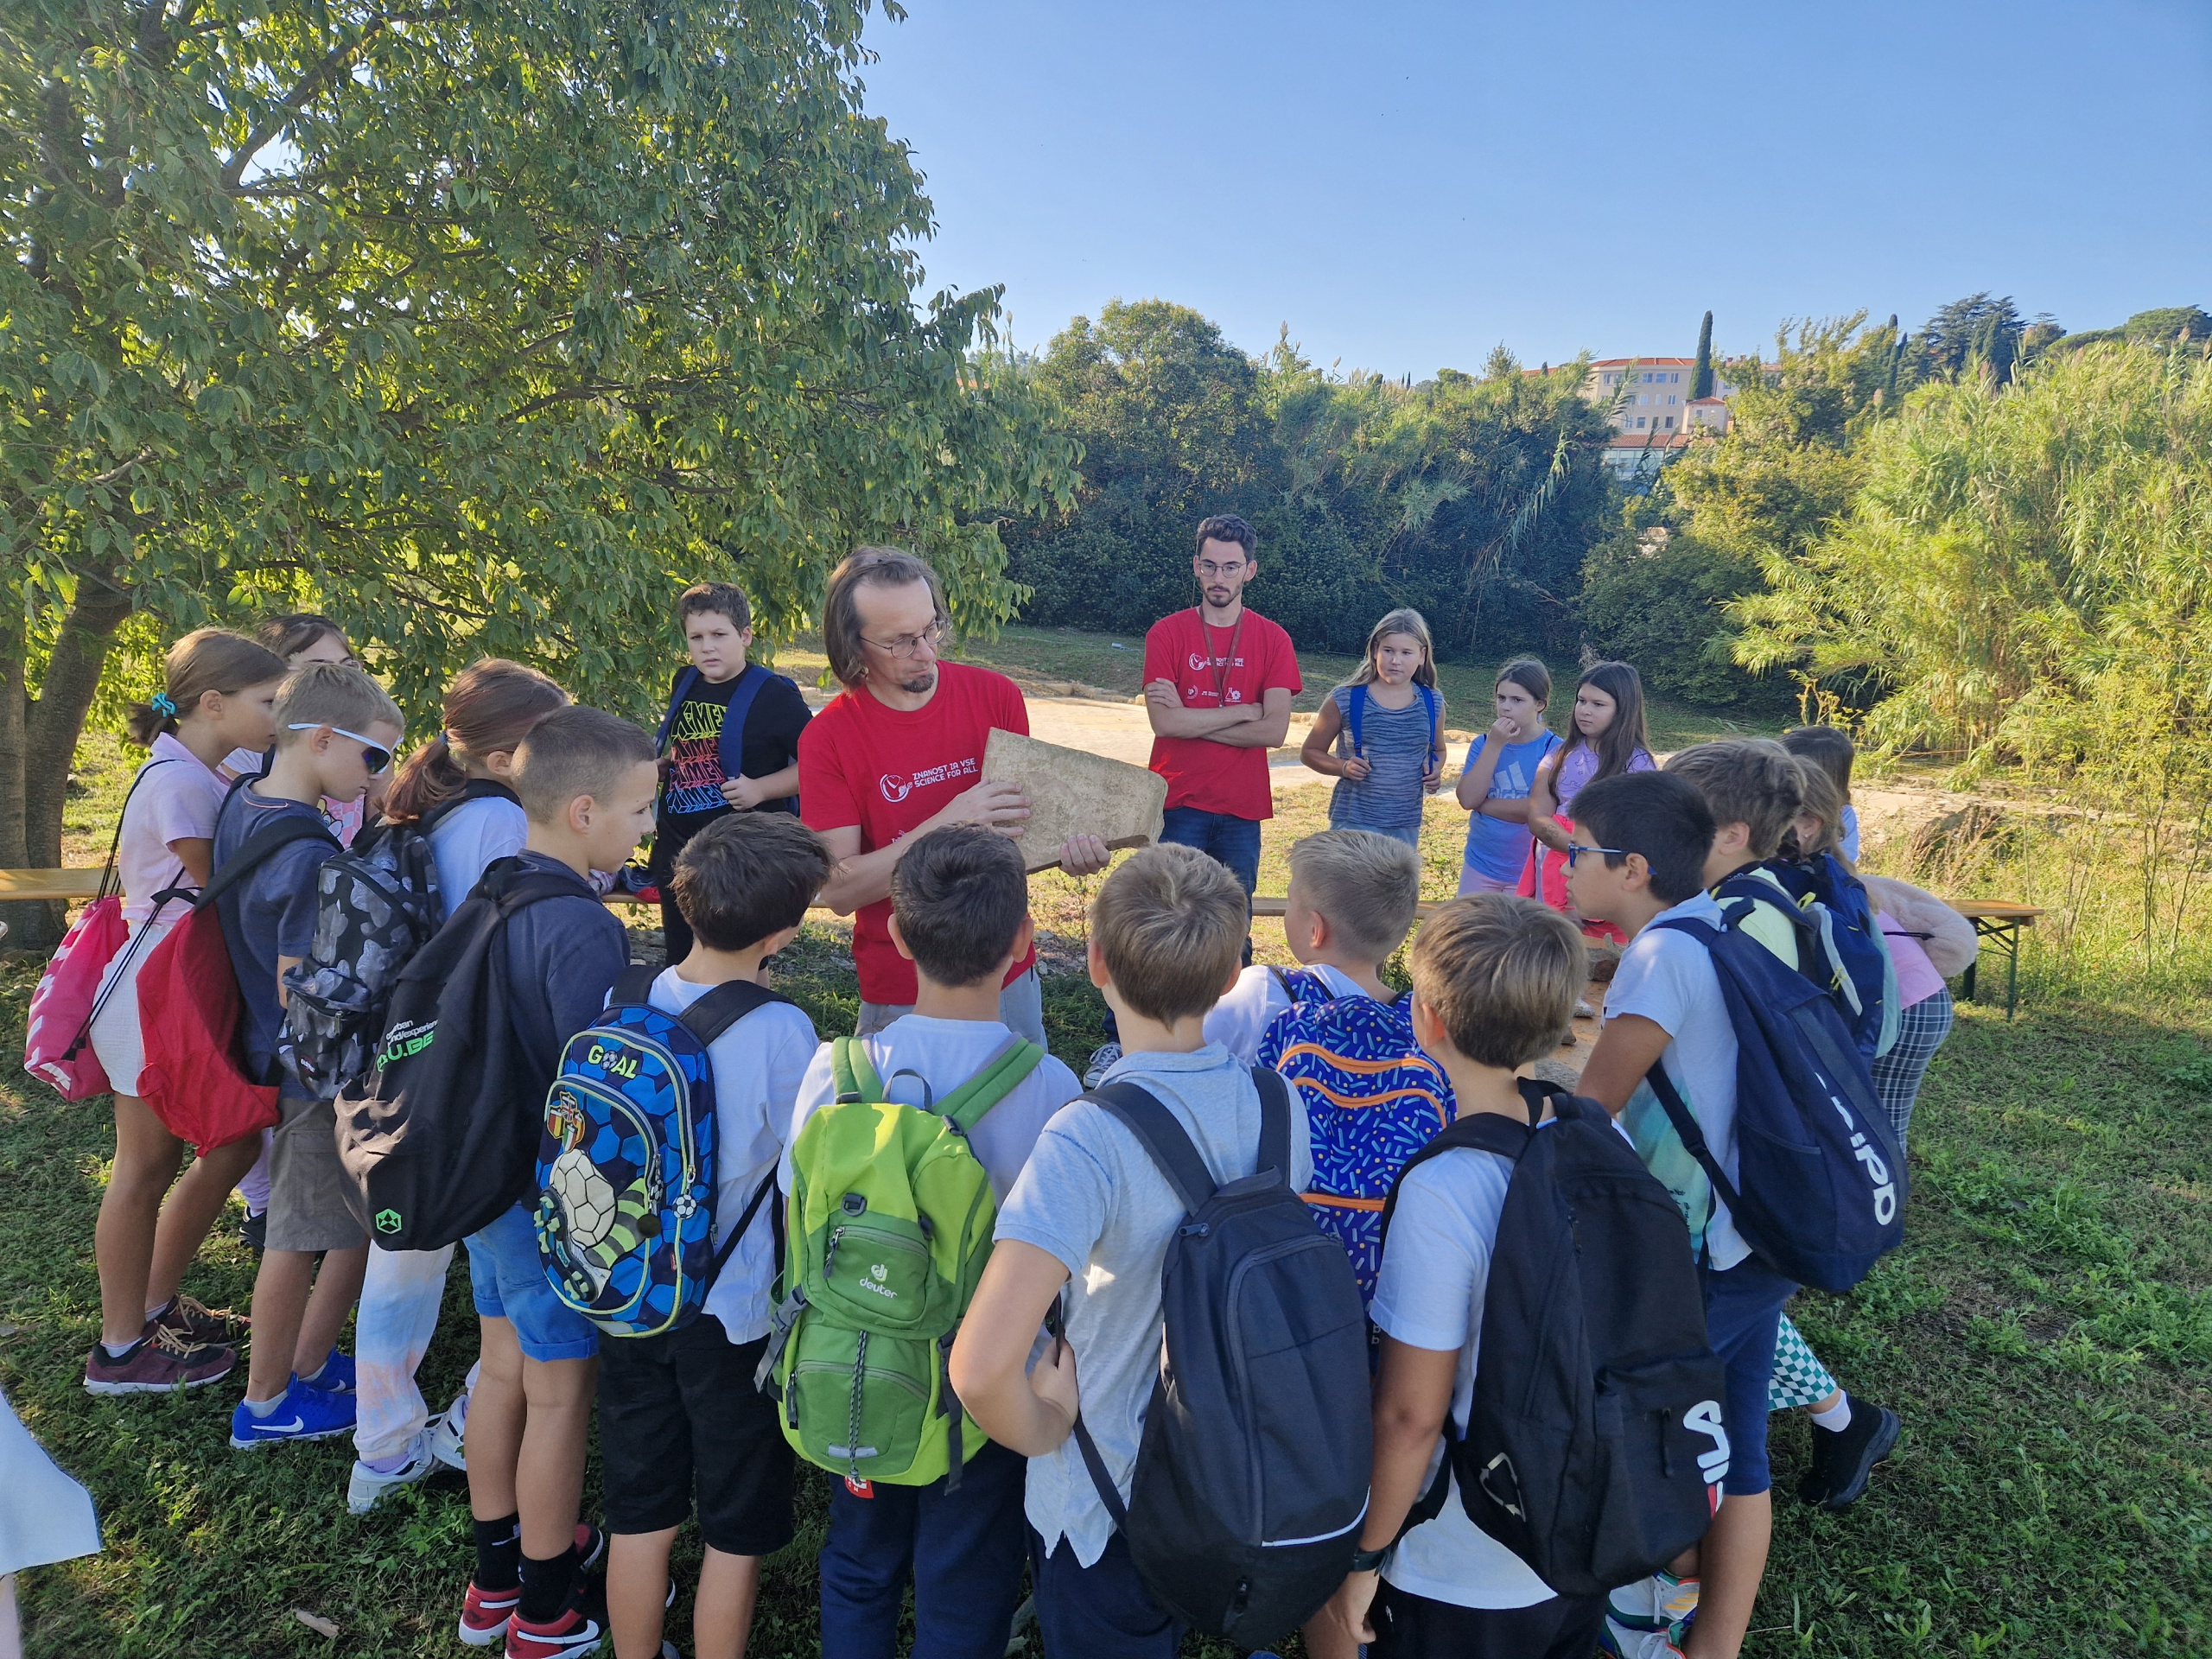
<point x="1092" y="1197"/>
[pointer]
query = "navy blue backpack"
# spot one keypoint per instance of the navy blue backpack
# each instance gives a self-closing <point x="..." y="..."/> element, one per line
<point x="1820" y="1187"/>
<point x="1845" y="944"/>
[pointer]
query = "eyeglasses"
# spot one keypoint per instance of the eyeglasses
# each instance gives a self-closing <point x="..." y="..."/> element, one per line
<point x="1574" y="851"/>
<point x="1209" y="569"/>
<point x="907" y="644"/>
<point x="375" y="756"/>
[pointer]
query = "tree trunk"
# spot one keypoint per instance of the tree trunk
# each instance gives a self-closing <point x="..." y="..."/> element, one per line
<point x="38" y="741"/>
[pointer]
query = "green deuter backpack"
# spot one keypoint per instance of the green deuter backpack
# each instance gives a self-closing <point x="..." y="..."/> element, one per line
<point x="890" y="1223"/>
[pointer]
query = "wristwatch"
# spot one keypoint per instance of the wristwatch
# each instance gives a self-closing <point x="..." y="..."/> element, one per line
<point x="1370" y="1560"/>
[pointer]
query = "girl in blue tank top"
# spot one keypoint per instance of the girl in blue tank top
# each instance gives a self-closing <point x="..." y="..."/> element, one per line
<point x="1380" y="733"/>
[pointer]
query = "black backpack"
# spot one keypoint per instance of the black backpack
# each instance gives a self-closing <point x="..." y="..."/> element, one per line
<point x="1594" y="1445"/>
<point x="436" y="1144"/>
<point x="377" y="903"/>
<point x="1250" y="1484"/>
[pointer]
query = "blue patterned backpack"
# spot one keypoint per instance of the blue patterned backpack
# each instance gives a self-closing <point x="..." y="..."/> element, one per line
<point x="625" y="1166"/>
<point x="1372" y="1101"/>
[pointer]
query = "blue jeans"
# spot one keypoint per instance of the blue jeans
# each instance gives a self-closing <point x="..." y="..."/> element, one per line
<point x="964" y="1550"/>
<point x="1220" y="836"/>
<point x="1099" y="1612"/>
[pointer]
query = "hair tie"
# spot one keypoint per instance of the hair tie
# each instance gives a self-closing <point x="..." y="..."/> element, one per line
<point x="162" y="704"/>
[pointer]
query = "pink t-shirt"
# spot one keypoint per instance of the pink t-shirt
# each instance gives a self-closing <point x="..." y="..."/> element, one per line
<point x="1579" y="764"/>
<point x="176" y="797"/>
<point x="1917" y="979"/>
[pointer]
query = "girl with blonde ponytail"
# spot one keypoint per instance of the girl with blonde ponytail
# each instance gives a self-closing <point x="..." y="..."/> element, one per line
<point x="217" y="694"/>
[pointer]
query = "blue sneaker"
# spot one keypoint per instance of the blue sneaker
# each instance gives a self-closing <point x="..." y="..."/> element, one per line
<point x="302" y="1413"/>
<point x="336" y="1375"/>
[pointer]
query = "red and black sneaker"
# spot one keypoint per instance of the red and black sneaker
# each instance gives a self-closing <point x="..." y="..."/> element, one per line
<point x="485" y="1614"/>
<point x="580" y="1629"/>
<point x="161" y="1362"/>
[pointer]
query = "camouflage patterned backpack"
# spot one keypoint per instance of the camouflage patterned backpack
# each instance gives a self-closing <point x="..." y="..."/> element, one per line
<point x="377" y="903"/>
<point x="626" y="1167"/>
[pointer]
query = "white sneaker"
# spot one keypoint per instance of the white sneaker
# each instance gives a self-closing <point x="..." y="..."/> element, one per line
<point x="365" y="1486"/>
<point x="1102" y="1059"/>
<point x="447" y="1433"/>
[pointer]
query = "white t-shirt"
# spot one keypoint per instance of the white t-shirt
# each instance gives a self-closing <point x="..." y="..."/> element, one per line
<point x="1092" y="1197"/>
<point x="1242" y="1018"/>
<point x="175" y="797"/>
<point x="1669" y="978"/>
<point x="758" y="1063"/>
<point x="947" y="1052"/>
<point x="469" y="839"/>
<point x="1435" y="1273"/>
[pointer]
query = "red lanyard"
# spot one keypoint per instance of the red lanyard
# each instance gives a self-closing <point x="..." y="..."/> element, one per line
<point x="1220" y="664"/>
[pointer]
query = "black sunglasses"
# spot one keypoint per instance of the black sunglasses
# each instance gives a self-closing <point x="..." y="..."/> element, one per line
<point x="1572" y="851"/>
<point x="375" y="756"/>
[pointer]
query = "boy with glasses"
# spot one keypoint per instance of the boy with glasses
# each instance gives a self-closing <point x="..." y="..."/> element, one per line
<point x="336" y="732"/>
<point x="900" y="754"/>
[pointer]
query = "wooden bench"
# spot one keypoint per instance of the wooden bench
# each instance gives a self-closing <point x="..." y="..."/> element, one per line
<point x="1998" y="921"/>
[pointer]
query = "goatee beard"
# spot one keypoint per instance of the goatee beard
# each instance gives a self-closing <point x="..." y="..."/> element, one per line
<point x="919" y="684"/>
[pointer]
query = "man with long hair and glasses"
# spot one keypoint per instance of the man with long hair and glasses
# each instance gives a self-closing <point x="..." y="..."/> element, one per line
<point x="900" y="754"/>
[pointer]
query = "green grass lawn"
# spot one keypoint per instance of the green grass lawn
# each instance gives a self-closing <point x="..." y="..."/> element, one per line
<point x="2046" y="1333"/>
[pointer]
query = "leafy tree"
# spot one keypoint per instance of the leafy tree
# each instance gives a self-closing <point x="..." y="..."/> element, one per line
<point x="1701" y="375"/>
<point x="474" y="322"/>
<point x="2021" y="575"/>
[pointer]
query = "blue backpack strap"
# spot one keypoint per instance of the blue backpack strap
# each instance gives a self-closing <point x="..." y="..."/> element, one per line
<point x="633" y="984"/>
<point x="684" y="682"/>
<point x="1274" y="1119"/>
<point x="1354" y="713"/>
<point x="1435" y="737"/>
<point x="732" y="746"/>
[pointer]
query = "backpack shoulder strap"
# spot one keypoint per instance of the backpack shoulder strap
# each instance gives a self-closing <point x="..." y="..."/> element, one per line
<point x="632" y="986"/>
<point x="108" y="882"/>
<point x="852" y="1071"/>
<point x="1476" y="1131"/>
<point x="684" y="682"/>
<point x="723" y="1007"/>
<point x="1163" y="1139"/>
<point x="1691" y="1135"/>
<point x="256" y="851"/>
<point x="999" y="1076"/>
<point x="1274" y="1119"/>
<point x="1354" y="713"/>
<point x="1428" y="702"/>
<point x="476" y="788"/>
<point x="731" y="745"/>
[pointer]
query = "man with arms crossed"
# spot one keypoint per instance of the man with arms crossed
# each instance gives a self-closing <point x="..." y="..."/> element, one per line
<point x="901" y="753"/>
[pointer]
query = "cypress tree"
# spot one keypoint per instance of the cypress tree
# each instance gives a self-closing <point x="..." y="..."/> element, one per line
<point x="1701" y="376"/>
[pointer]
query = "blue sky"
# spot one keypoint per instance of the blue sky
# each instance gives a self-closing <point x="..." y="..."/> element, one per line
<point x="1407" y="184"/>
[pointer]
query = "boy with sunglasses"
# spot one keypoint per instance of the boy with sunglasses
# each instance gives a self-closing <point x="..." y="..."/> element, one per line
<point x="335" y="732"/>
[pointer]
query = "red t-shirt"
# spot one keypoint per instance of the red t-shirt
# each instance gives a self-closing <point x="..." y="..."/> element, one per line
<point x="887" y="770"/>
<point x="1200" y="773"/>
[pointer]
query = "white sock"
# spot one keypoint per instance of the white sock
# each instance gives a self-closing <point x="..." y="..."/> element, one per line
<point x="1836" y="1419"/>
<point x="114" y="1352"/>
<point x="265" y="1408"/>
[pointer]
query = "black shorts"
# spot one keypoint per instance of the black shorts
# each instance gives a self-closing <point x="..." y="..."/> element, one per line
<point x="680" y="1407"/>
<point x="1407" y="1626"/>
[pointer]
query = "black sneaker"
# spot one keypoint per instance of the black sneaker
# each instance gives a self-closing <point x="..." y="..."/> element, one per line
<point x="1843" y="1459"/>
<point x="254" y="1229"/>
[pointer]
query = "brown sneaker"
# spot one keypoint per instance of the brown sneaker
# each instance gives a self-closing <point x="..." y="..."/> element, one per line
<point x="160" y="1362"/>
<point x="193" y="1321"/>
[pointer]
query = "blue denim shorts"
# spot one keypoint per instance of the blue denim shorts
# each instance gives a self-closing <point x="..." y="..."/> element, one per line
<point x="509" y="1282"/>
<point x="1743" y="1314"/>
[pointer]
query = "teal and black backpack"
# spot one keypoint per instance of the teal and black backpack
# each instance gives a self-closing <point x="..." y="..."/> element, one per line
<point x="625" y="1166"/>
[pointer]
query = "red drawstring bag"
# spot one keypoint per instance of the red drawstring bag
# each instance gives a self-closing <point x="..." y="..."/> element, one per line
<point x="58" y="1045"/>
<point x="190" y="1015"/>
